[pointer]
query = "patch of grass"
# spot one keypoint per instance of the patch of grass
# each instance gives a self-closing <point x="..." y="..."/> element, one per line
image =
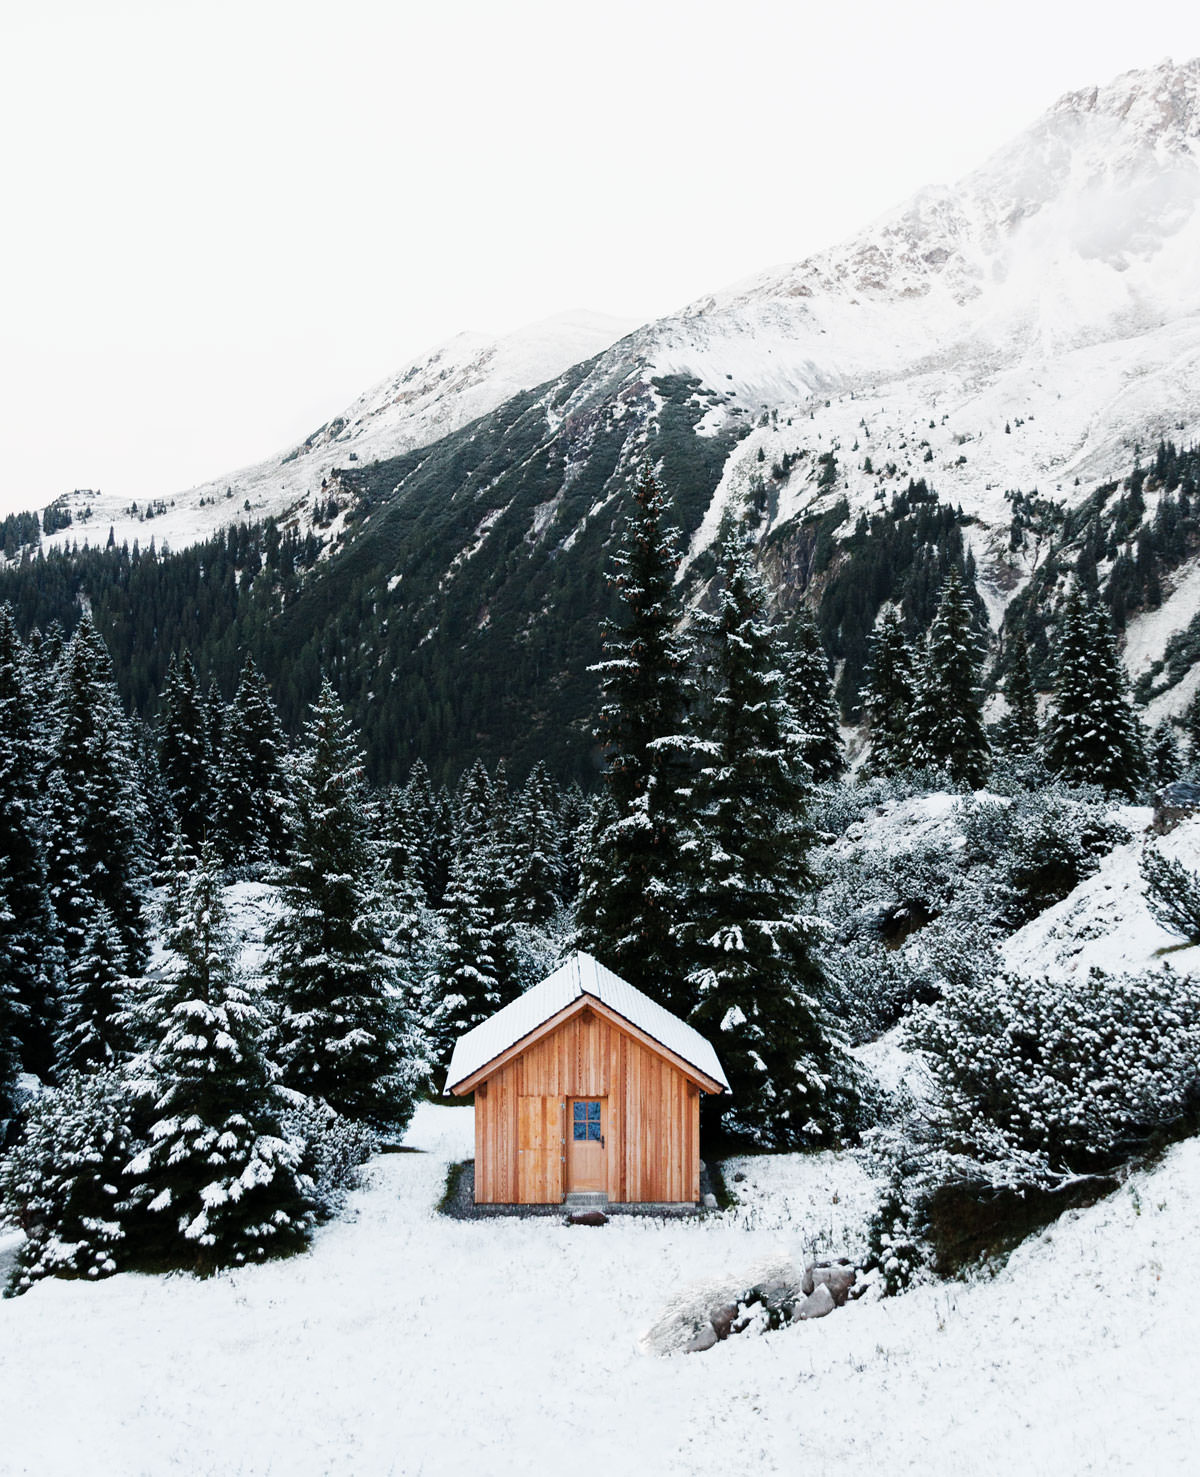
<point x="454" y="1174"/>
<point x="716" y="1181"/>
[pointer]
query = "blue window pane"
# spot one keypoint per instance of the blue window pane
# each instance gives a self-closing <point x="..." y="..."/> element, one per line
<point x="593" y="1112"/>
<point x="579" y="1111"/>
<point x="594" y="1131"/>
<point x="580" y="1131"/>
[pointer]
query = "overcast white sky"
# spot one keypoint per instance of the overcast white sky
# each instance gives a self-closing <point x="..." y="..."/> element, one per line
<point x="222" y="221"/>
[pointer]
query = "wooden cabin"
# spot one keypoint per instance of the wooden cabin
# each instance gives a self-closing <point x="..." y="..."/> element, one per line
<point x="585" y="1086"/>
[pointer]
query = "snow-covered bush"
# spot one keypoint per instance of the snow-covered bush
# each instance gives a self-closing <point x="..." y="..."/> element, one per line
<point x="1042" y="1080"/>
<point x="66" y="1183"/>
<point x="1037" y="847"/>
<point x="1172" y="894"/>
<point x="333" y="1150"/>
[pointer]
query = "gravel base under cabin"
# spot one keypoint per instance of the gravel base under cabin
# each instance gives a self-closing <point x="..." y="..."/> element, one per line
<point x="459" y="1202"/>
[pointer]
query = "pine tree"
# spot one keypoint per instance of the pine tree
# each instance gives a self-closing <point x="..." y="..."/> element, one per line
<point x="1021" y="730"/>
<point x="29" y="946"/>
<point x="1092" y="736"/>
<point x="891" y="696"/>
<point x="11" y="1021"/>
<point x="465" y="988"/>
<point x="630" y="898"/>
<point x="1191" y="727"/>
<point x="217" y="1166"/>
<point x="249" y="786"/>
<point x="183" y="748"/>
<point x="948" y="716"/>
<point x="753" y="970"/>
<point x="1165" y="757"/>
<point x="432" y="819"/>
<point x="95" y="811"/>
<point x="810" y="692"/>
<point x="93" y="1030"/>
<point x="538" y="859"/>
<point x="343" y="1036"/>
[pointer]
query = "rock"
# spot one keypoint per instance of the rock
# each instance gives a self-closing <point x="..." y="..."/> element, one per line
<point x="705" y="1339"/>
<point x="587" y="1218"/>
<point x="738" y="1178"/>
<point x="709" y="1201"/>
<point x="817" y="1304"/>
<point x="723" y="1318"/>
<point x="839" y="1280"/>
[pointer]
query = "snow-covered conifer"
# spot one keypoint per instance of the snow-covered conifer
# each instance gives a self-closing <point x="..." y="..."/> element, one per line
<point x="1021" y="729"/>
<point x="750" y="943"/>
<point x="1092" y="736"/>
<point x="343" y="1034"/>
<point x="631" y="893"/>
<point x="538" y="846"/>
<point x="248" y="784"/>
<point x="93" y="1025"/>
<point x="1165" y="756"/>
<point x="217" y="1168"/>
<point x="465" y="987"/>
<point x="810" y="692"/>
<point x="66" y="1183"/>
<point x="947" y="717"/>
<point x="891" y="696"/>
<point x="183" y="748"/>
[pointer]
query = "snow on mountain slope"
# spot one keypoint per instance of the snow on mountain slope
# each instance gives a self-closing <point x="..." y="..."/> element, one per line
<point x="440" y="392"/>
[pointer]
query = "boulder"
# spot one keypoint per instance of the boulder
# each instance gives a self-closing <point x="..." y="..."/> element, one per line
<point x="587" y="1218"/>
<point x="839" y="1281"/>
<point x="705" y="1339"/>
<point x="738" y="1178"/>
<point x="709" y="1201"/>
<point x="723" y="1319"/>
<point x="817" y="1304"/>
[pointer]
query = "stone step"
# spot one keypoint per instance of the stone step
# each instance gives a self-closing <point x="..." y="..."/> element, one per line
<point x="586" y="1200"/>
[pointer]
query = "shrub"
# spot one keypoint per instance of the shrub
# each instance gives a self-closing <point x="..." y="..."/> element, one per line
<point x="333" y="1150"/>
<point x="1172" y="894"/>
<point x="66" y="1183"/>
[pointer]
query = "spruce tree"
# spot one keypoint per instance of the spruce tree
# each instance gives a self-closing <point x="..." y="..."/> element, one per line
<point x="750" y="943"/>
<point x="93" y="1027"/>
<point x="11" y="1021"/>
<point x="891" y="696"/>
<point x="1165" y="757"/>
<point x="465" y="987"/>
<point x="1091" y="736"/>
<point x="95" y="811"/>
<point x="948" y="715"/>
<point x="630" y="897"/>
<point x="810" y="692"/>
<point x="538" y="846"/>
<point x="248" y="785"/>
<point x="217" y="1167"/>
<point x="1021" y="730"/>
<point x="183" y="747"/>
<point x="343" y="1035"/>
<point x="29" y="946"/>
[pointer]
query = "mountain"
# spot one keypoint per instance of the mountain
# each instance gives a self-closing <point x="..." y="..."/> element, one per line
<point x="979" y="379"/>
<point x="437" y="393"/>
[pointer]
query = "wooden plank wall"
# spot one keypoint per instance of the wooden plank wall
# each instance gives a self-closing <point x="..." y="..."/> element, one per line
<point x="653" y="1133"/>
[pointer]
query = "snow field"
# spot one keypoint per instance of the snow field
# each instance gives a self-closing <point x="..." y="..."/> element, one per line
<point x="407" y="1343"/>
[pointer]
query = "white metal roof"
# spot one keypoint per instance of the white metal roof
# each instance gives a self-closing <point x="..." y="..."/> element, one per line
<point x="578" y="975"/>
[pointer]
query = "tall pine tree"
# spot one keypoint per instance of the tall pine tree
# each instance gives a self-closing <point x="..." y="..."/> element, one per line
<point x="891" y="696"/>
<point x="1092" y="736"/>
<point x="948" y="714"/>
<point x="810" y="692"/>
<point x="631" y="894"/>
<point x="343" y="1034"/>
<point x="217" y="1167"/>
<point x="751" y="946"/>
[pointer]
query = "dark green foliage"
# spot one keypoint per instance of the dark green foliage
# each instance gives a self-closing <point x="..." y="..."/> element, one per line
<point x="249" y="787"/>
<point x="94" y="805"/>
<point x="342" y="1035"/>
<point x="1092" y="736"/>
<point x="465" y="987"/>
<point x="809" y="690"/>
<point x="93" y="1029"/>
<point x="67" y="1183"/>
<point x="629" y="903"/>
<point x="1020" y="732"/>
<point x="749" y="941"/>
<point x="216" y="1175"/>
<point x="1165" y="758"/>
<point x="28" y="935"/>
<point x="891" y="697"/>
<point x="1172" y="894"/>
<point x="183" y="751"/>
<point x="947" y="717"/>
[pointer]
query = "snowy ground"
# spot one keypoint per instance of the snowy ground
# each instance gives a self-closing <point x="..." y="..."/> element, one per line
<point x="405" y="1343"/>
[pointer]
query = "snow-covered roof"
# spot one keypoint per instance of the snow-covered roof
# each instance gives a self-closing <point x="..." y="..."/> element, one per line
<point x="579" y="975"/>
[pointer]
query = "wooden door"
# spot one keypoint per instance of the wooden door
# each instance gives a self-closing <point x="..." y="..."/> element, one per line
<point x="587" y="1139"/>
<point x="539" y="1150"/>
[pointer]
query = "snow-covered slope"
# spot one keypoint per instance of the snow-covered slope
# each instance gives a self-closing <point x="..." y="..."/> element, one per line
<point x="408" y="1343"/>
<point x="440" y="392"/>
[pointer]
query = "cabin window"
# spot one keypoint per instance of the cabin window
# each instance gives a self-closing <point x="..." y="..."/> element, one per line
<point x="586" y="1122"/>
